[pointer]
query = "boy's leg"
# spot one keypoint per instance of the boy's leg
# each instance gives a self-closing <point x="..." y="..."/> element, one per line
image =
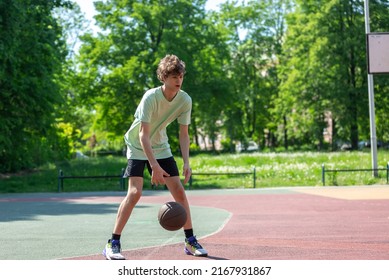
<point x="192" y="247"/>
<point x="134" y="171"/>
<point x="112" y="250"/>
<point x="178" y="192"/>
<point x="134" y="193"/>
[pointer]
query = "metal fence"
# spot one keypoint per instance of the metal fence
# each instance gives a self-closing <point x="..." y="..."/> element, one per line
<point x="62" y="178"/>
<point x="324" y="171"/>
<point x="253" y="173"/>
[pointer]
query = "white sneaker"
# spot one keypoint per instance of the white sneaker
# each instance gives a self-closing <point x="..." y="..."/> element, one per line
<point x="112" y="250"/>
<point x="192" y="247"/>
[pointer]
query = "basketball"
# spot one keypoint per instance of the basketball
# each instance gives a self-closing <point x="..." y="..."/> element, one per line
<point x="172" y="216"/>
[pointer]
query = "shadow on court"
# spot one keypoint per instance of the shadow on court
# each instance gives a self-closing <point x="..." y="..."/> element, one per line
<point x="30" y="211"/>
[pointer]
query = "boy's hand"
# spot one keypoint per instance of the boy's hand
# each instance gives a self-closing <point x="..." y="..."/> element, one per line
<point x="157" y="176"/>
<point x="187" y="172"/>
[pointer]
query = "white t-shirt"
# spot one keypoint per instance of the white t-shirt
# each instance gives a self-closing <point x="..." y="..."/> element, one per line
<point x="158" y="112"/>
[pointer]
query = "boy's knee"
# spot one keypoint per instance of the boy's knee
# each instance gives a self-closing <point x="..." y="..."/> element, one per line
<point x="133" y="195"/>
<point x="180" y="193"/>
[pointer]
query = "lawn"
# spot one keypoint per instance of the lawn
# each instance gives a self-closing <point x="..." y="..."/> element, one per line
<point x="271" y="170"/>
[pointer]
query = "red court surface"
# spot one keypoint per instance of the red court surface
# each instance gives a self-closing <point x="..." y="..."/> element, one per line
<point x="318" y="223"/>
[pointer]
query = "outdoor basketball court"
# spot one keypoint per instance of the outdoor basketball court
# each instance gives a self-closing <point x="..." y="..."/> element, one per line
<point x="297" y="223"/>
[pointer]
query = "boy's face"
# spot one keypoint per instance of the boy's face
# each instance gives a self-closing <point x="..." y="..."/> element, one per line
<point x="174" y="81"/>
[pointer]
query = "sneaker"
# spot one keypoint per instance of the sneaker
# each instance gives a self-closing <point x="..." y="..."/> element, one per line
<point x="112" y="250"/>
<point x="192" y="247"/>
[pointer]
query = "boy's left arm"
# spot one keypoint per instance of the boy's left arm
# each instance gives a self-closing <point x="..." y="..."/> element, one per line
<point x="184" y="145"/>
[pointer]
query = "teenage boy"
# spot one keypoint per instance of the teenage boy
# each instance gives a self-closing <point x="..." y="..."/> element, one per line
<point x="147" y="146"/>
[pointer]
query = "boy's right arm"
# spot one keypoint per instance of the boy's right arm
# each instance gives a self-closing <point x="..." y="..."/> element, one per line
<point x="157" y="176"/>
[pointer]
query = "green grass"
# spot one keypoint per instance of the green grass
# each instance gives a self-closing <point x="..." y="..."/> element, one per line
<point x="290" y="169"/>
<point x="272" y="170"/>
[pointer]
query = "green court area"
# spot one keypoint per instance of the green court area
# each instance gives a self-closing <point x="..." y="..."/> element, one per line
<point x="55" y="226"/>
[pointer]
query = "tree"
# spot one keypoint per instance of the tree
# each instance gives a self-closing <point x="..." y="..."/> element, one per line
<point x="256" y="31"/>
<point x="324" y="70"/>
<point x="119" y="64"/>
<point x="379" y="22"/>
<point x="31" y="55"/>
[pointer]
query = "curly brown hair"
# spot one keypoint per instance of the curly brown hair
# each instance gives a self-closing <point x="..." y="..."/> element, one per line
<point x="170" y="65"/>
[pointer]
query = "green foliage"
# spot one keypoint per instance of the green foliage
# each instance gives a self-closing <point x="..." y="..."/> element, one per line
<point x="253" y="67"/>
<point x="30" y="63"/>
<point x="324" y="71"/>
<point x="275" y="72"/>
<point x="119" y="64"/>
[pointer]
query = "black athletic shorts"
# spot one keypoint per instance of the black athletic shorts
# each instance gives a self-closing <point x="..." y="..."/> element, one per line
<point x="136" y="167"/>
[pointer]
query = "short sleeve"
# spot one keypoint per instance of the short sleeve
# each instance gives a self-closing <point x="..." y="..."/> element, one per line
<point x="145" y="109"/>
<point x="185" y="117"/>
